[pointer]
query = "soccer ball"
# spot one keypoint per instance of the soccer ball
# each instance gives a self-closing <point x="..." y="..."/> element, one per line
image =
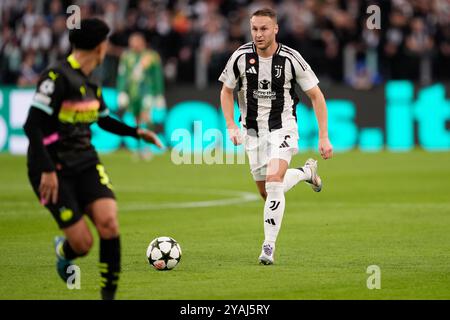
<point x="163" y="253"/>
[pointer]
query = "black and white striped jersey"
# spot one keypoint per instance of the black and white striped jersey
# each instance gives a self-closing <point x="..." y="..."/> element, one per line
<point x="266" y="93"/>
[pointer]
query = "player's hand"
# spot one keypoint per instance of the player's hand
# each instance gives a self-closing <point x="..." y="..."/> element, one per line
<point x="149" y="136"/>
<point x="235" y="134"/>
<point x="48" y="189"/>
<point x="325" y="148"/>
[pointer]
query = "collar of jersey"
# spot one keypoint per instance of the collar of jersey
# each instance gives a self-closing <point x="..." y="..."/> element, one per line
<point x="276" y="52"/>
<point x="73" y="62"/>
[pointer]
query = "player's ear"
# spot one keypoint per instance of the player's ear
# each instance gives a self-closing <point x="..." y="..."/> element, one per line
<point x="276" y="28"/>
<point x="101" y="48"/>
<point x="98" y="49"/>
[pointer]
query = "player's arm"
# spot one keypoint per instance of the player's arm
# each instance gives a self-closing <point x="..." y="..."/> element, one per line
<point x="308" y="81"/>
<point x="158" y="78"/>
<point x="149" y="85"/>
<point x="118" y="127"/>
<point x="229" y="78"/>
<point x="122" y="97"/>
<point x="48" y="188"/>
<point x="46" y="102"/>
<point x="227" y="103"/>
<point x="320" y="109"/>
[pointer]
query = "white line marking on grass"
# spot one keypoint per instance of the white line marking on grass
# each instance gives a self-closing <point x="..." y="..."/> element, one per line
<point x="240" y="197"/>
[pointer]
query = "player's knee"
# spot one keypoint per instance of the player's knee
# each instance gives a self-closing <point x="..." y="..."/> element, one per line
<point x="83" y="245"/>
<point x="108" y="227"/>
<point x="274" y="178"/>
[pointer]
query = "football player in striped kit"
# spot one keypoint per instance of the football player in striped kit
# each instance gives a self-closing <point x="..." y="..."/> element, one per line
<point x="265" y="74"/>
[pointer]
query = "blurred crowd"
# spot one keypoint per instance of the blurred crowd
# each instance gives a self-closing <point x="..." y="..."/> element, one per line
<point x="196" y="37"/>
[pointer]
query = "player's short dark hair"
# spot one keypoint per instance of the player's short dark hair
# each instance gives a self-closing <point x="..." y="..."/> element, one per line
<point x="265" y="12"/>
<point x="91" y="33"/>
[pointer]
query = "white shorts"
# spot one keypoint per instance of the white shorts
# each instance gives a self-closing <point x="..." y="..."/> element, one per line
<point x="278" y="144"/>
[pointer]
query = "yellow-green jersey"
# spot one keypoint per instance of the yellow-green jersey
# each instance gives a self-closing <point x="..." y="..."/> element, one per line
<point x="140" y="75"/>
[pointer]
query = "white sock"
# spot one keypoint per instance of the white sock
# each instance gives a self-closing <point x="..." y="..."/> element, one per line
<point x="273" y="210"/>
<point x="294" y="176"/>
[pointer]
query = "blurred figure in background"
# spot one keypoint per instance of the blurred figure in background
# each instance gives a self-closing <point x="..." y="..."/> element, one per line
<point x="29" y="74"/>
<point x="140" y="83"/>
<point x="419" y="49"/>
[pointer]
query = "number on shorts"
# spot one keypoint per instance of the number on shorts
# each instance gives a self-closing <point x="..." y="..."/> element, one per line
<point x="104" y="179"/>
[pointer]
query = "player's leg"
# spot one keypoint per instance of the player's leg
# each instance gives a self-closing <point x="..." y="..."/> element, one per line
<point x="256" y="153"/>
<point x="136" y="109"/>
<point x="98" y="199"/>
<point x="293" y="176"/>
<point x="78" y="239"/>
<point x="104" y="216"/>
<point x="144" y="120"/>
<point x="77" y="242"/>
<point x="307" y="173"/>
<point x="274" y="207"/>
<point x="285" y="142"/>
<point x="261" y="185"/>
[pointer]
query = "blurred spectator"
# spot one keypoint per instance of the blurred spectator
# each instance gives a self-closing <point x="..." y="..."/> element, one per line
<point x="55" y="11"/>
<point x="419" y="46"/>
<point x="442" y="62"/>
<point x="212" y="51"/>
<point x="29" y="74"/>
<point x="195" y="37"/>
<point x="189" y="40"/>
<point x="60" y="39"/>
<point x="392" y="46"/>
<point x="10" y="56"/>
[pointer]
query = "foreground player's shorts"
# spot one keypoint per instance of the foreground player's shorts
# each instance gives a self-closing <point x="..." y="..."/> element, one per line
<point x="261" y="148"/>
<point x="76" y="191"/>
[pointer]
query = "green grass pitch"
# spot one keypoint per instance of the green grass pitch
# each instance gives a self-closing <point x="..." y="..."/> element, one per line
<point x="384" y="209"/>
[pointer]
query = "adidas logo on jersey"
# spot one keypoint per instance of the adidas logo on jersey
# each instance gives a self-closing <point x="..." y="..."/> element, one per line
<point x="284" y="145"/>
<point x="252" y="70"/>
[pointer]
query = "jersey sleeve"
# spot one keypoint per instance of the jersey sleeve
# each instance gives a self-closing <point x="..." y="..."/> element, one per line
<point x="50" y="92"/>
<point x="158" y="76"/>
<point x="305" y="76"/>
<point x="103" y="111"/>
<point x="230" y="75"/>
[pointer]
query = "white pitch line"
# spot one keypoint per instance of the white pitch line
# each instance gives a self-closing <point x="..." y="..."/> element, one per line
<point x="240" y="197"/>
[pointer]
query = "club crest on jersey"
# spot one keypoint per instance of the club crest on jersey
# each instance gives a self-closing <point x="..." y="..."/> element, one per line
<point x="278" y="70"/>
<point x="252" y="61"/>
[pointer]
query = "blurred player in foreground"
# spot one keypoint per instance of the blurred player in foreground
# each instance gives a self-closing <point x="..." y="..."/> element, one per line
<point x="63" y="166"/>
<point x="265" y="73"/>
